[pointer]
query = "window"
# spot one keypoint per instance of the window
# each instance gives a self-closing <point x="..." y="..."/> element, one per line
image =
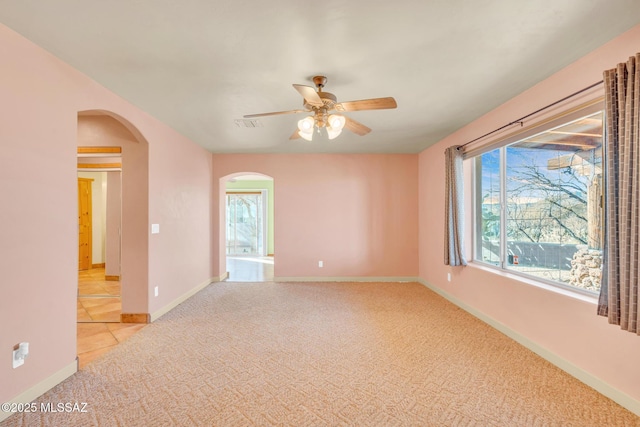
<point x="539" y="205"/>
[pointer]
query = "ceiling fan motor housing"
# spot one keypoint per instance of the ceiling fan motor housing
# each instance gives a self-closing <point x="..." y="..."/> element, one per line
<point x="328" y="99"/>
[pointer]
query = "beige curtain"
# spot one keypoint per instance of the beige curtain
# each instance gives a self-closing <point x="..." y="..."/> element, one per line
<point x="619" y="291"/>
<point x="454" y="209"/>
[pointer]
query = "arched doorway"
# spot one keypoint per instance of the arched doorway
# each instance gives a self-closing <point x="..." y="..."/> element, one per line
<point x="248" y="232"/>
<point x="113" y="155"/>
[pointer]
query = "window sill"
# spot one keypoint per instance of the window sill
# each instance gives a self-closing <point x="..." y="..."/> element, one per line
<point x="558" y="289"/>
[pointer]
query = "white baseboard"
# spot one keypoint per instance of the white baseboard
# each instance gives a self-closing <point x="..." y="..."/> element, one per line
<point x="42" y="387"/>
<point x="182" y="298"/>
<point x="592" y="381"/>
<point x="345" y="279"/>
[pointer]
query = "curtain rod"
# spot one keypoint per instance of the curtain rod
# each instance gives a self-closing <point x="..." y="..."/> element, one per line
<point x="531" y="114"/>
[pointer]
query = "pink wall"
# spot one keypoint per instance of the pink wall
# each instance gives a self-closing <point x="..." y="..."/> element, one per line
<point x="40" y="100"/>
<point x="564" y="325"/>
<point x="357" y="213"/>
<point x="180" y="188"/>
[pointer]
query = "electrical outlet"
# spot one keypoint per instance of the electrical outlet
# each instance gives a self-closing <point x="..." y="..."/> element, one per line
<point x="320" y="264"/>
<point x="155" y="291"/>
<point x="448" y="277"/>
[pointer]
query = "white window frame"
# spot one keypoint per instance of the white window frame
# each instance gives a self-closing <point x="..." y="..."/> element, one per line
<point x="540" y="127"/>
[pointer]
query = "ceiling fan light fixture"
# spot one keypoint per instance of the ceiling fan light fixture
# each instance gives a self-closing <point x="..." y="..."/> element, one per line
<point x="306" y="135"/>
<point x="336" y="122"/>
<point x="333" y="133"/>
<point x="306" y="124"/>
<point x="319" y="104"/>
<point x="305" y="127"/>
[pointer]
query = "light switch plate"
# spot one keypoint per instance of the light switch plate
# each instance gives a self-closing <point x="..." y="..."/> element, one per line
<point x="155" y="228"/>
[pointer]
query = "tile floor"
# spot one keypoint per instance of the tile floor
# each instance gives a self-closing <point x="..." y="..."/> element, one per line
<point x="92" y="283"/>
<point x="95" y="339"/>
<point x="98" y="299"/>
<point x="250" y="269"/>
<point x="99" y="307"/>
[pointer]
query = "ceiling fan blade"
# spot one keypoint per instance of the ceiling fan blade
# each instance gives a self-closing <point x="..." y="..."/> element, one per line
<point x="295" y="135"/>
<point x="275" y="113"/>
<point x="356" y="127"/>
<point x="310" y="95"/>
<point x="367" y="104"/>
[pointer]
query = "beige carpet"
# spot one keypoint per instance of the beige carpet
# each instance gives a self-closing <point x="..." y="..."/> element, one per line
<point x="317" y="354"/>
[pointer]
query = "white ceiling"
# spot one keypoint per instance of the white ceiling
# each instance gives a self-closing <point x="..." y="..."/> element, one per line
<point x="198" y="65"/>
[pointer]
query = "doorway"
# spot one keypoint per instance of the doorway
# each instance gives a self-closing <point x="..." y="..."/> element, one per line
<point x="249" y="215"/>
<point x="99" y="299"/>
<point x="99" y="289"/>
<point x="109" y="145"/>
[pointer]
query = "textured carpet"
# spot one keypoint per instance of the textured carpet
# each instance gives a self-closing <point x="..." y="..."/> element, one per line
<point x="316" y="354"/>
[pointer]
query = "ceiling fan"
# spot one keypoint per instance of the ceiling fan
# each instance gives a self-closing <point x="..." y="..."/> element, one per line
<point x="320" y="104"/>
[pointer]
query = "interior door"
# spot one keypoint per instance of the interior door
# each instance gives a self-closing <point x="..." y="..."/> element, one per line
<point x="84" y="223"/>
<point x="245" y="223"/>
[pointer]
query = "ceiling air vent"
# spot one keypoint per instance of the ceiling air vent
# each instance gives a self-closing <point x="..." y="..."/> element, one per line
<point x="248" y="123"/>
